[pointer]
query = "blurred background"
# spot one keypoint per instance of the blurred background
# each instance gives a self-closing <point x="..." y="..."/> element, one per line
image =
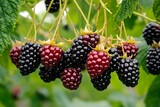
<point x="30" y="91"/>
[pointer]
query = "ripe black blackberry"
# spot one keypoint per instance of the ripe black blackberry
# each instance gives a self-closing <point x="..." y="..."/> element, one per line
<point x="128" y="71"/>
<point x="54" y="7"/>
<point x="79" y="52"/>
<point x="29" y="59"/>
<point x="114" y="58"/>
<point x="47" y="75"/>
<point x="151" y="33"/>
<point x="102" y="81"/>
<point x="153" y="61"/>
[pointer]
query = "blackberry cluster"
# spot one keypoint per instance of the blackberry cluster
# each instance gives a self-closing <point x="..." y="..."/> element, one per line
<point x="128" y="71"/>
<point x="102" y="81"/>
<point x="151" y="33"/>
<point x="153" y="61"/>
<point x="54" y="7"/>
<point x="29" y="58"/>
<point x="48" y="75"/>
<point x="71" y="78"/>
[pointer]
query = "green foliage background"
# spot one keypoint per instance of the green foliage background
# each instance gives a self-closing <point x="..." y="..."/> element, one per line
<point x="35" y="93"/>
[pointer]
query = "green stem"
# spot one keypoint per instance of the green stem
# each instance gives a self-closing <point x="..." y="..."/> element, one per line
<point x="59" y="19"/>
<point x="89" y="12"/>
<point x="145" y="17"/>
<point x="88" y="25"/>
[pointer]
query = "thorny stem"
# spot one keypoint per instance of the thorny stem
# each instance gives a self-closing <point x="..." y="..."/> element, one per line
<point x="103" y="5"/>
<point x="97" y="15"/>
<point x="145" y="17"/>
<point x="34" y="22"/>
<point x="59" y="19"/>
<point x="88" y="25"/>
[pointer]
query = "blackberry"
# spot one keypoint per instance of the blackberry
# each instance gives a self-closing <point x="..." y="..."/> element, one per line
<point x="29" y="59"/>
<point x="79" y="52"/>
<point x="129" y="48"/>
<point x="151" y="33"/>
<point x="47" y="74"/>
<point x="71" y="78"/>
<point x="54" y="7"/>
<point x="102" y="81"/>
<point x="153" y="61"/>
<point x="50" y="55"/>
<point x="128" y="71"/>
<point x="14" y="55"/>
<point x="114" y="58"/>
<point x="90" y="39"/>
<point x="97" y="63"/>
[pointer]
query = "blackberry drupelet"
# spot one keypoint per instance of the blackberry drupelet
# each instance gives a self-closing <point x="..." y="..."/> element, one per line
<point x="102" y="81"/>
<point x="29" y="59"/>
<point x="50" y="55"/>
<point x="54" y="7"/>
<point x="97" y="63"/>
<point x="151" y="33"/>
<point x="128" y="71"/>
<point x="47" y="74"/>
<point x="71" y="78"/>
<point x="153" y="61"/>
<point x="113" y="59"/>
<point x="14" y="55"/>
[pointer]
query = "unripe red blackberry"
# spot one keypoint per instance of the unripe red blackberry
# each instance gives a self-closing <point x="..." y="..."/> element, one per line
<point x="50" y="55"/>
<point x="97" y="62"/>
<point x="151" y="33"/>
<point x="102" y="81"/>
<point x="54" y="7"/>
<point x="14" y="55"/>
<point x="29" y="58"/>
<point x="153" y="61"/>
<point x="47" y="74"/>
<point x="128" y="71"/>
<point x="129" y="48"/>
<point x="71" y="78"/>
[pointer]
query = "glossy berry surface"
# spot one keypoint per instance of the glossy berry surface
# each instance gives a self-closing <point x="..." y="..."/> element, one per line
<point x="79" y="52"/>
<point x="54" y="7"/>
<point x="47" y="75"/>
<point x="151" y="33"/>
<point x="102" y="81"/>
<point x="91" y="39"/>
<point x="113" y="58"/>
<point x="71" y="78"/>
<point x="153" y="61"/>
<point x="14" y="55"/>
<point x="97" y="63"/>
<point x="129" y="49"/>
<point x="29" y="58"/>
<point x="50" y="55"/>
<point x="128" y="72"/>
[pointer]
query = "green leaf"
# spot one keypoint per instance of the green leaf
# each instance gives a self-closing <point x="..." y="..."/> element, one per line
<point x="146" y="4"/>
<point x="156" y="9"/>
<point x="8" y="17"/>
<point x="153" y="95"/>
<point x="126" y="9"/>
